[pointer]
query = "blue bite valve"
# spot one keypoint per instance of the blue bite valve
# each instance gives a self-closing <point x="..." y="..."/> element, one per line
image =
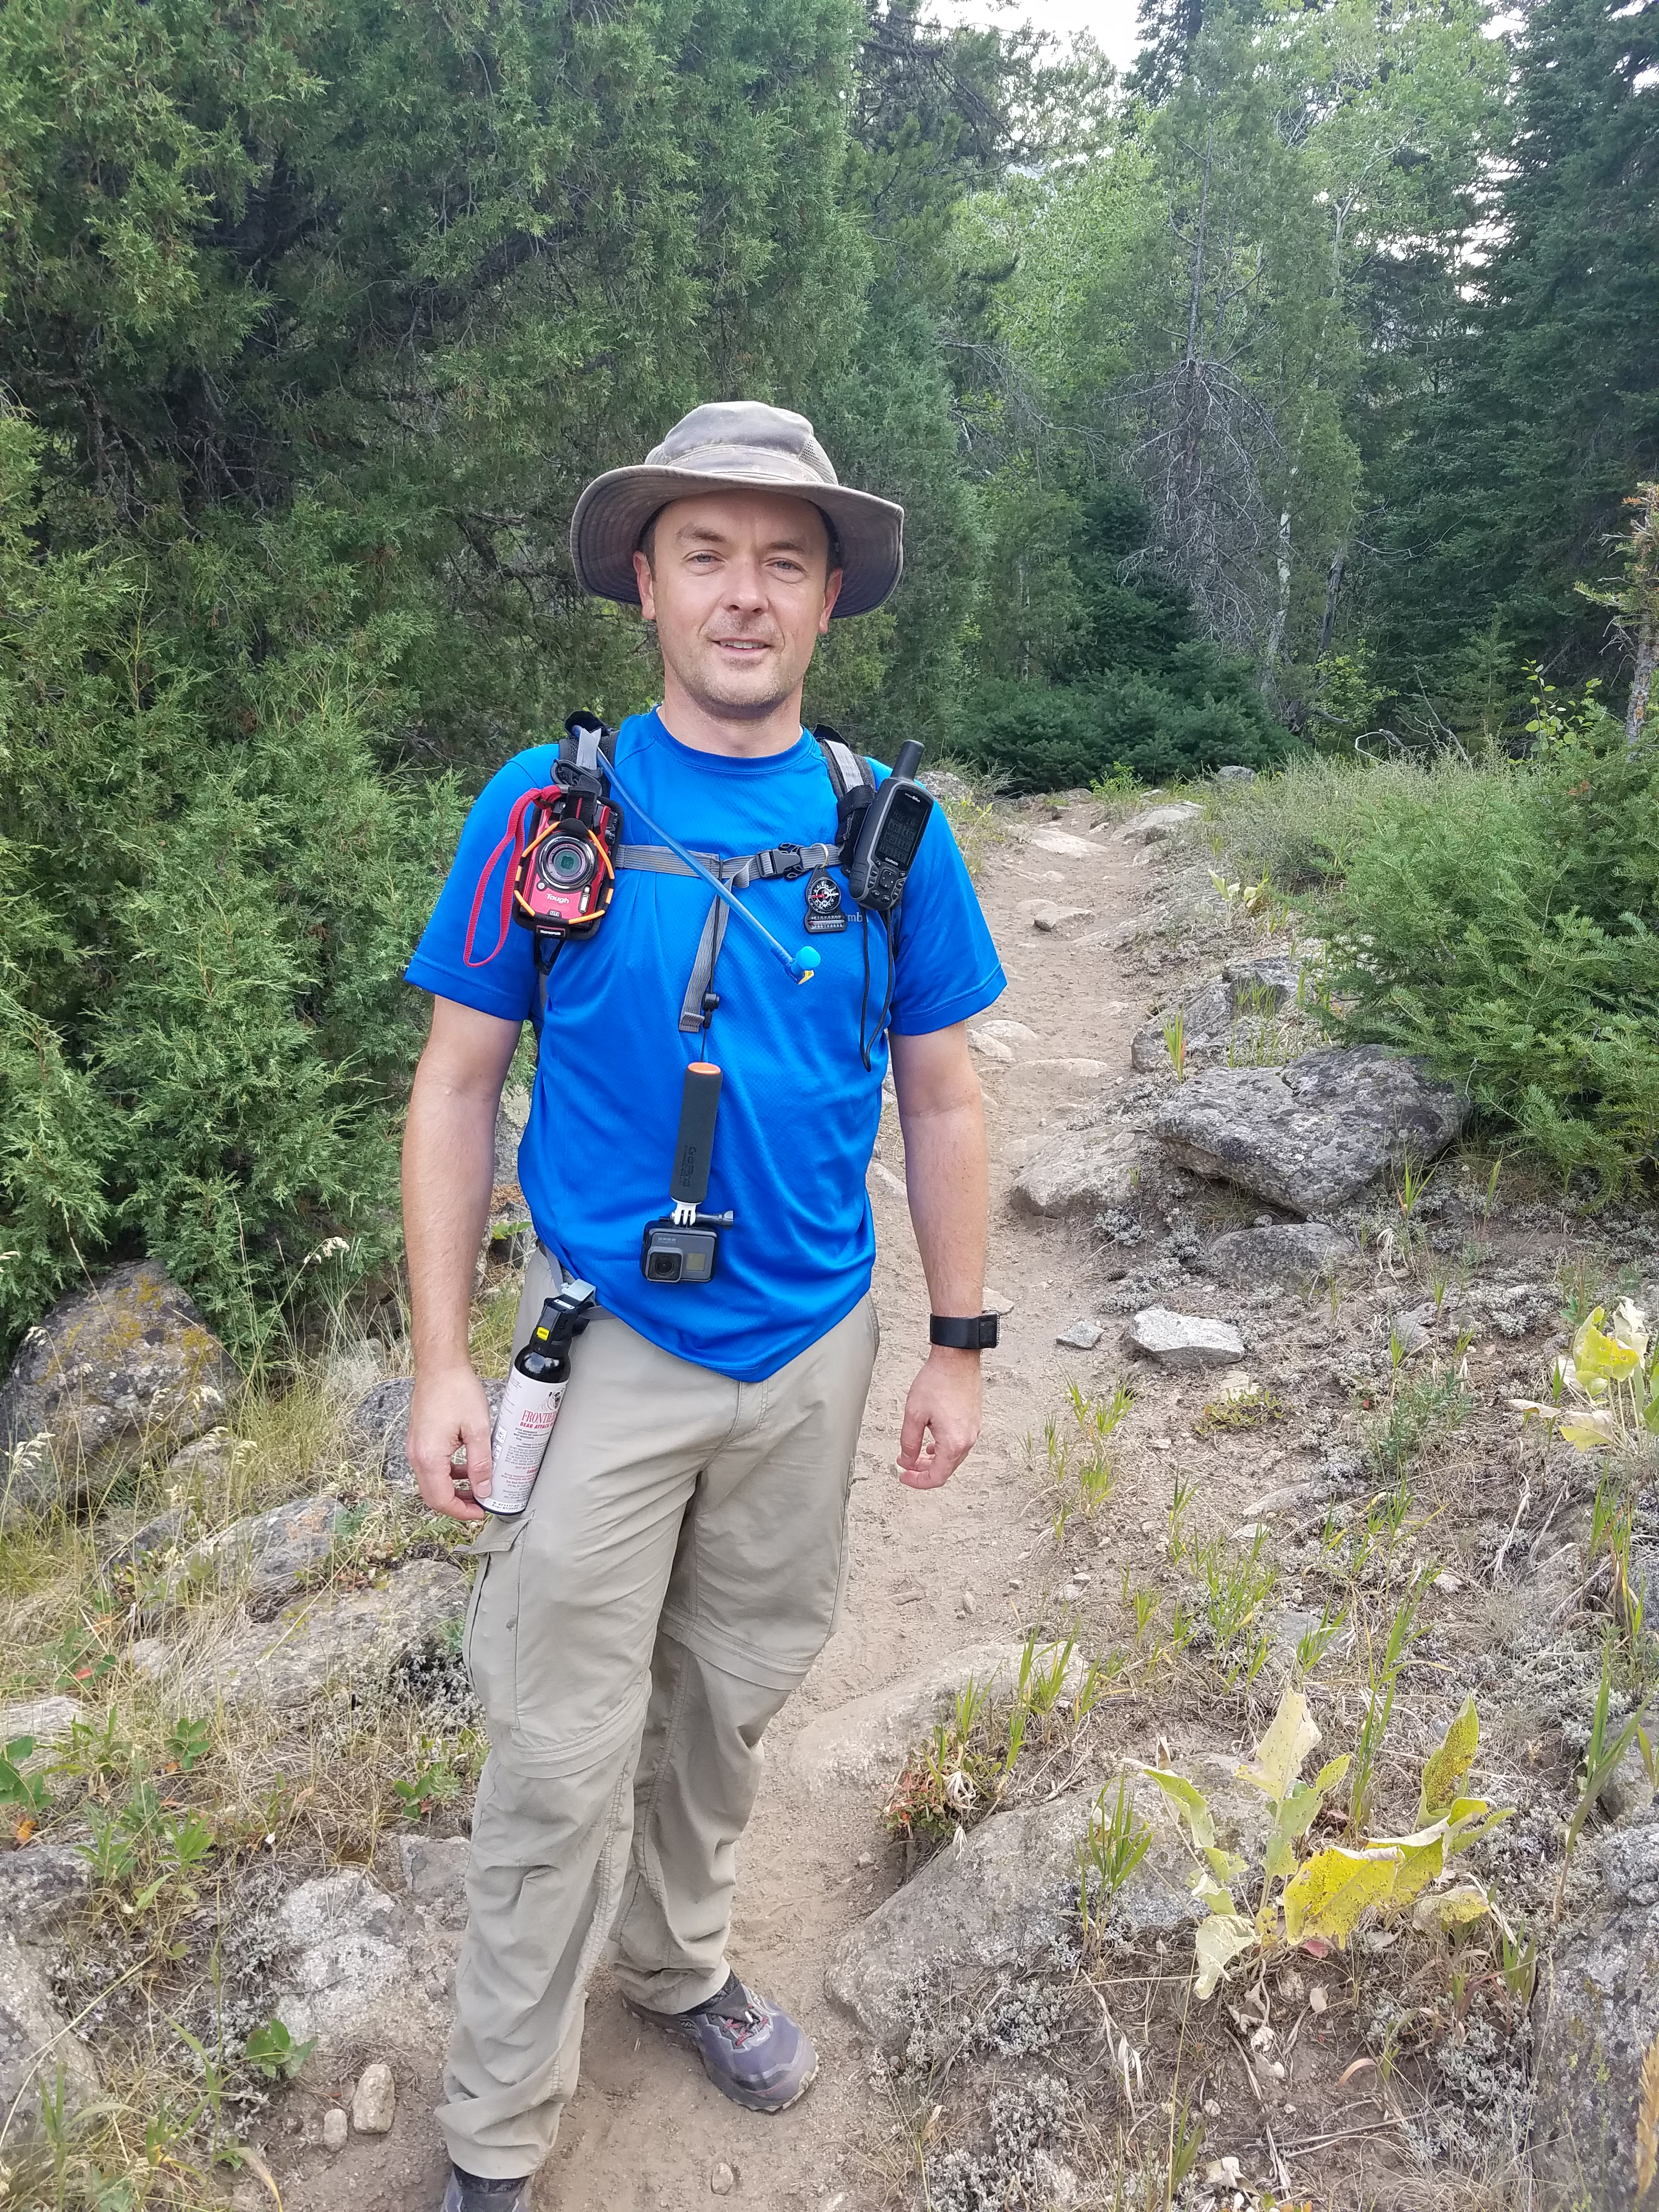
<point x="807" y="960"/>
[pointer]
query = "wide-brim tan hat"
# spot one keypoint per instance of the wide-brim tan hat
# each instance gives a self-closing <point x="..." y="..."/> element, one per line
<point x="735" y="445"/>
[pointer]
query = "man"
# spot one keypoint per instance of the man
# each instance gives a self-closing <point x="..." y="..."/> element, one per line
<point x="680" y="1562"/>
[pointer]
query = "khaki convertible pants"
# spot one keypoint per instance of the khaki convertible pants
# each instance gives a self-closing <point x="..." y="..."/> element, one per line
<point x="677" y="1572"/>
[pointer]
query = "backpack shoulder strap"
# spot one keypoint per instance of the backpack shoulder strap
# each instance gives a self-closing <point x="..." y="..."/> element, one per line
<point x="847" y="770"/>
<point x="585" y="740"/>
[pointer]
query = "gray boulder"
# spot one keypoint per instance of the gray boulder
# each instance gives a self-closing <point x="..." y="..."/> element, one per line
<point x="1285" y="1252"/>
<point x="347" y="1640"/>
<point x="1184" y="1341"/>
<point x="125" y="1370"/>
<point x="1601" y="1988"/>
<point x="265" y="1557"/>
<point x="38" y="2048"/>
<point x="164" y="1534"/>
<point x="1006" y="1900"/>
<point x="47" y="1720"/>
<point x="1235" y="1013"/>
<point x="1159" y="823"/>
<point x="379" y="1423"/>
<point x="41" y="1885"/>
<point x="435" y="1876"/>
<point x="1078" y="1171"/>
<point x="347" y="1958"/>
<point x="865" y="1741"/>
<point x="1311" y="1135"/>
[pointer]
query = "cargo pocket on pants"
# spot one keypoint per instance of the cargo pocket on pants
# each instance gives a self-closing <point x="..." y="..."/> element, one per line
<point x="490" y="1636"/>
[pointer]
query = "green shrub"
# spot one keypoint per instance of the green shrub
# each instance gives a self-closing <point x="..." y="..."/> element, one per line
<point x="1499" y="920"/>
<point x="1201" y="708"/>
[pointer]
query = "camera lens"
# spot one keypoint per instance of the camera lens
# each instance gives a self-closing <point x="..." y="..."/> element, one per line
<point x="663" y="1267"/>
<point x="566" y="863"/>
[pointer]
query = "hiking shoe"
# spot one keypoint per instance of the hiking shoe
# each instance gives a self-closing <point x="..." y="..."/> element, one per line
<point x="467" y="2193"/>
<point x="751" y="2051"/>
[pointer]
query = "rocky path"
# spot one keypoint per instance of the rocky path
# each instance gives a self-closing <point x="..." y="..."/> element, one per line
<point x="933" y="1574"/>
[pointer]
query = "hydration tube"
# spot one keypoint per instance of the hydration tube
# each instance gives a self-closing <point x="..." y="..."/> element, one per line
<point x="800" y="965"/>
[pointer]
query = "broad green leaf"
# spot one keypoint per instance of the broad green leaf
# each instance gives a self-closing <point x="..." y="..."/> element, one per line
<point x="1291" y="1735"/>
<point x="1419" y="1862"/>
<point x="1630" y="1328"/>
<point x="1451" y="1908"/>
<point x="1215" y="1894"/>
<point x="1188" y="1802"/>
<point x="1444" y="1773"/>
<point x="1332" y="1772"/>
<point x="1469" y="1829"/>
<point x="1589" y="1431"/>
<point x="1327" y="1896"/>
<point x="1226" y="1866"/>
<point x="1217" y="1943"/>
<point x="1599" y="1358"/>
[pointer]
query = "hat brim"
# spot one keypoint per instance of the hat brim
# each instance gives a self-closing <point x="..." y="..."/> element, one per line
<point x="615" y="508"/>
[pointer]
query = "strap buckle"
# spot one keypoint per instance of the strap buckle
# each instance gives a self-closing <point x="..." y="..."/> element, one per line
<point x="782" y="864"/>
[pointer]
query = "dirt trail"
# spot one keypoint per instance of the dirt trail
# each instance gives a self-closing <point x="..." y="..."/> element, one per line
<point x="646" y="2130"/>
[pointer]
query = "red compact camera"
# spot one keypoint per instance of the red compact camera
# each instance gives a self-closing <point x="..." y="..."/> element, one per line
<point x="567" y="872"/>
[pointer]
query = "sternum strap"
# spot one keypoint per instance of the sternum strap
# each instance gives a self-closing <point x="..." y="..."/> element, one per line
<point x="781" y="862"/>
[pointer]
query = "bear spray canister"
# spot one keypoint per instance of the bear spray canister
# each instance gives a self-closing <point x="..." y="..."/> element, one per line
<point x="535" y="1389"/>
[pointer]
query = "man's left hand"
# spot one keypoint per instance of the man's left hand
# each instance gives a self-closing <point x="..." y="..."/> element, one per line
<point x="942" y="1418"/>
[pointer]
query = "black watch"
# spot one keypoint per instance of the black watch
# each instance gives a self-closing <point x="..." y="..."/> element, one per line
<point x="962" y="1331"/>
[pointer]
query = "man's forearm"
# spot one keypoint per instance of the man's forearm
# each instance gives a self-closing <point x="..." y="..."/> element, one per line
<point x="449" y="1149"/>
<point x="947" y="1178"/>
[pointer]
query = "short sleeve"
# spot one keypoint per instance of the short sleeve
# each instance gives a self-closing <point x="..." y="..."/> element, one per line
<point x="947" y="967"/>
<point x="496" y="973"/>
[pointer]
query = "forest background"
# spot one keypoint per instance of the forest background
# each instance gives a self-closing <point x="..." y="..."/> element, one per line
<point x="1284" y="398"/>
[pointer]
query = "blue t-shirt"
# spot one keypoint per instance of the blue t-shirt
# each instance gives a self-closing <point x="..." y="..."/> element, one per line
<point x="798" y="1110"/>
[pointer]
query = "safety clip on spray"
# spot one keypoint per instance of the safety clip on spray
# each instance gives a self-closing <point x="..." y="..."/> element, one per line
<point x="530" y="1404"/>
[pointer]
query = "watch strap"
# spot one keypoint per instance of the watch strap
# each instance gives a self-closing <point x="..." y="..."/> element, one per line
<point x="962" y="1331"/>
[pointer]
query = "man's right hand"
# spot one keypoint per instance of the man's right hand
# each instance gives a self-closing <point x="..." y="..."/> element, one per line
<point x="449" y="1411"/>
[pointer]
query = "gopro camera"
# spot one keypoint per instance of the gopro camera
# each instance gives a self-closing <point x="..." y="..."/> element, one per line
<point x="676" y="1252"/>
<point x="888" y="834"/>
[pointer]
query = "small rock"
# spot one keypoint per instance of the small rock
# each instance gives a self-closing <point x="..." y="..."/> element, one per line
<point x="116" y="1373"/>
<point x="997" y="1301"/>
<point x="1159" y="823"/>
<point x="374" y="2101"/>
<point x="334" y="2129"/>
<point x="1235" y="772"/>
<point x="969" y="1602"/>
<point x="1052" y="918"/>
<point x="721" y="2180"/>
<point x="990" y="1048"/>
<point x="1068" y="846"/>
<point x="1008" y="1032"/>
<point x="1276" y="1251"/>
<point x="1078" y="1171"/>
<point x="1081" y="1336"/>
<point x="865" y="1859"/>
<point x="1183" y="1340"/>
<point x="1317" y="2000"/>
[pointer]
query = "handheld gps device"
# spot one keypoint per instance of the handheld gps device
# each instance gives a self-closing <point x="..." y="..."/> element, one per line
<point x="889" y="833"/>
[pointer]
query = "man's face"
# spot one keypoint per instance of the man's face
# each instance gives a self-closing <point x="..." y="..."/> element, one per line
<point x="740" y="588"/>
